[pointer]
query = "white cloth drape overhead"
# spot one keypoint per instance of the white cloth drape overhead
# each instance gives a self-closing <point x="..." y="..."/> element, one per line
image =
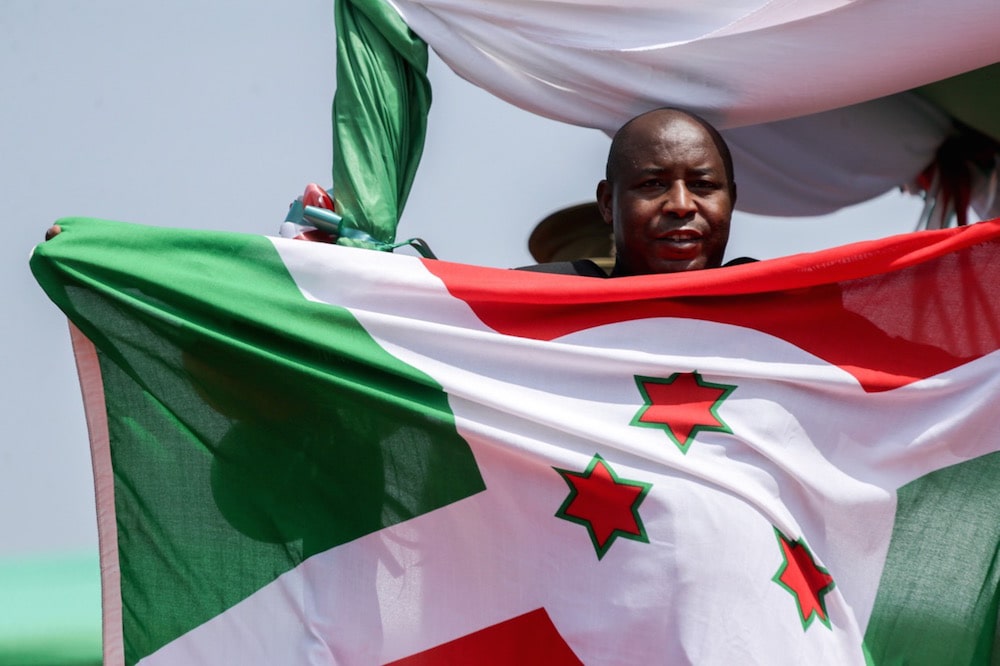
<point x="745" y="64"/>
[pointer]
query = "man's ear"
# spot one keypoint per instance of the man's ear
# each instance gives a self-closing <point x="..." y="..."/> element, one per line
<point x="734" y="194"/>
<point x="604" y="201"/>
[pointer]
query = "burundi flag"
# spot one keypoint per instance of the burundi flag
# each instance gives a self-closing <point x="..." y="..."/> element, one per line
<point x="312" y="454"/>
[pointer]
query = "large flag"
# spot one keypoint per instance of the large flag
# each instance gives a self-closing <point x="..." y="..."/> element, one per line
<point x="311" y="454"/>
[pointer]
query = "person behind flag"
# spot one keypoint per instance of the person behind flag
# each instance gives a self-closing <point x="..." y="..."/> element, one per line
<point x="668" y="195"/>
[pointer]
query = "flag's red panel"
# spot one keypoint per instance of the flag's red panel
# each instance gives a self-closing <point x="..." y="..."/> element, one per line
<point x="872" y="328"/>
<point x="526" y="639"/>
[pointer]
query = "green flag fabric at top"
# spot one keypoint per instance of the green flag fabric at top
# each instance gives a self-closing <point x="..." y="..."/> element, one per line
<point x="313" y="454"/>
<point x="379" y="115"/>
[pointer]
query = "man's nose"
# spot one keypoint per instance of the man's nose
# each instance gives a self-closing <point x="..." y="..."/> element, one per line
<point x="678" y="200"/>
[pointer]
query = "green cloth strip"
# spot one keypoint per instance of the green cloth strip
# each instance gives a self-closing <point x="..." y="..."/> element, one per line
<point x="379" y="117"/>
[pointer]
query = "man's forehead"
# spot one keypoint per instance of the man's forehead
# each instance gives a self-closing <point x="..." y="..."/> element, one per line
<point x="704" y="168"/>
<point x="646" y="149"/>
<point x="667" y="130"/>
<point x="663" y="134"/>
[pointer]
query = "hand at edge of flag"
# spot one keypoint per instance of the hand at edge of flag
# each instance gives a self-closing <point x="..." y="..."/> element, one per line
<point x="52" y="232"/>
<point x="296" y="224"/>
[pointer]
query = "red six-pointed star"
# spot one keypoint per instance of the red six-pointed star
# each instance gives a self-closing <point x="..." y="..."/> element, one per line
<point x="682" y="405"/>
<point x="804" y="579"/>
<point x="604" y="503"/>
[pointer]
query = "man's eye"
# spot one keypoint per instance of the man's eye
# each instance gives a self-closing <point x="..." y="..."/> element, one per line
<point x="704" y="185"/>
<point x="652" y="182"/>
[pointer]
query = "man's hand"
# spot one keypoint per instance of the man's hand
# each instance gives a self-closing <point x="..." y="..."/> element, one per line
<point x="297" y="226"/>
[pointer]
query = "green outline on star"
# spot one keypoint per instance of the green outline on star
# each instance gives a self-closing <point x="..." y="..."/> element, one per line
<point x="618" y="481"/>
<point x="820" y="593"/>
<point x="642" y="380"/>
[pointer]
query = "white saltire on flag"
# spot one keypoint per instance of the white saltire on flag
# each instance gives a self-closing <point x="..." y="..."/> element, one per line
<point x="326" y="455"/>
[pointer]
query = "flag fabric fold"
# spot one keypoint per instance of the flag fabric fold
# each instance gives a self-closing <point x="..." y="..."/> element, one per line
<point x="315" y="454"/>
<point x="812" y="125"/>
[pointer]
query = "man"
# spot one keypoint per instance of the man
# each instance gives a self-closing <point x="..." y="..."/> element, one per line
<point x="668" y="195"/>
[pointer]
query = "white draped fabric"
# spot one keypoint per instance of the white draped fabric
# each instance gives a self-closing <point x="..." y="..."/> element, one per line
<point x="806" y="91"/>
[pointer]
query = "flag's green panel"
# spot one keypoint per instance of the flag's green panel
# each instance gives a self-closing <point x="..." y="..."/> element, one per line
<point x="972" y="97"/>
<point x="938" y="597"/>
<point x="250" y="428"/>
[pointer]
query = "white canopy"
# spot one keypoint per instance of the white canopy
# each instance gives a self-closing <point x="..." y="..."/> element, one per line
<point x="811" y="94"/>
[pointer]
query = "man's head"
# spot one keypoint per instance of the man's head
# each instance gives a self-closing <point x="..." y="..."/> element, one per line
<point x="668" y="194"/>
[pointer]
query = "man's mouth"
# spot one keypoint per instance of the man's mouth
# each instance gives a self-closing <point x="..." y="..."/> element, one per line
<point x="681" y="243"/>
<point x="681" y="236"/>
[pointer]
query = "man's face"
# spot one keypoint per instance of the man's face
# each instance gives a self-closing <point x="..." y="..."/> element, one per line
<point x="669" y="201"/>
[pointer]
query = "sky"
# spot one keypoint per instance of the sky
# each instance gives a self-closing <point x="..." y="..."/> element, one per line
<point x="215" y="116"/>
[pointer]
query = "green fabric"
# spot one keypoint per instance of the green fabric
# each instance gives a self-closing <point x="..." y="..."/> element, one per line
<point x="972" y="97"/>
<point x="250" y="428"/>
<point x="940" y="589"/>
<point x="379" y="115"/>
<point x="50" y="613"/>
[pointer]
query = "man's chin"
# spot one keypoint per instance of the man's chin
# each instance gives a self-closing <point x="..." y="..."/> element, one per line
<point x="679" y="265"/>
<point x="660" y="267"/>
